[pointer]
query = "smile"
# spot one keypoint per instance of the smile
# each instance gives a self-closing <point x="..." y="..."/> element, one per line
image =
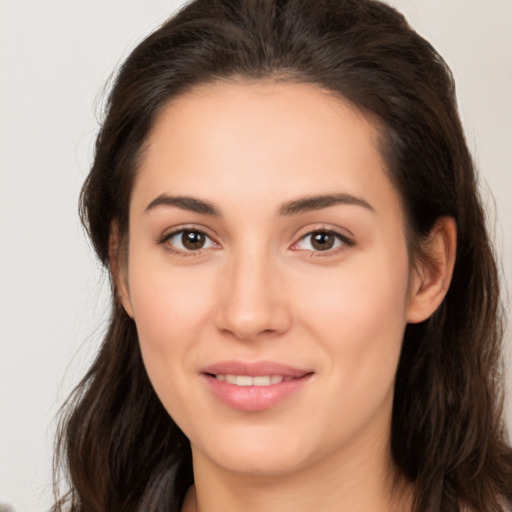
<point x="248" y="380"/>
<point x="254" y="386"/>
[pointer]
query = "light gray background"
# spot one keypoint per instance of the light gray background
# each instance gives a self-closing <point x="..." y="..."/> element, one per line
<point x="55" y="56"/>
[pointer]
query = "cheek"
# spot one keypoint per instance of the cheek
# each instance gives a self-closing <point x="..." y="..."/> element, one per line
<point x="170" y="307"/>
<point x="359" y="314"/>
<point x="166" y="300"/>
<point x="170" y="312"/>
<point x="369" y="288"/>
<point x="358" y="320"/>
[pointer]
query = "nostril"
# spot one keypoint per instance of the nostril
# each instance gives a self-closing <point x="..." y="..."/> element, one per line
<point x="248" y="309"/>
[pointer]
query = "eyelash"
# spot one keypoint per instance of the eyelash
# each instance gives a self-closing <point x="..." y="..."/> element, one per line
<point x="342" y="240"/>
<point x="184" y="252"/>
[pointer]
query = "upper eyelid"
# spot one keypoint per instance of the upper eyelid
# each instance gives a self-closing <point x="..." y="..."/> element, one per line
<point x="329" y="231"/>
<point x="164" y="241"/>
<point x="343" y="238"/>
<point x="343" y="234"/>
<point x="187" y="227"/>
<point x="308" y="230"/>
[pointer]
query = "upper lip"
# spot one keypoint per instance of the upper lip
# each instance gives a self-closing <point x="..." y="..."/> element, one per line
<point x="255" y="369"/>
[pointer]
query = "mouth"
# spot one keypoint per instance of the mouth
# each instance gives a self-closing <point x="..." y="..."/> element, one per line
<point x="253" y="387"/>
<point x="248" y="380"/>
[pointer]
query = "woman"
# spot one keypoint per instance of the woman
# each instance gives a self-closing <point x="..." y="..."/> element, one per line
<point x="305" y="301"/>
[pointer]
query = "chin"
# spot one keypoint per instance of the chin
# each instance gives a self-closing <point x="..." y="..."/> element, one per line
<point x="259" y="464"/>
<point x="258" y="453"/>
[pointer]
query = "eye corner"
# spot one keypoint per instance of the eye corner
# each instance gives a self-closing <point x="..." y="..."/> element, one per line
<point x="187" y="241"/>
<point x="328" y="242"/>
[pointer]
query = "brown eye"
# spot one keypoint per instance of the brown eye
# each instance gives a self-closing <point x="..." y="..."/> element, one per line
<point x="322" y="240"/>
<point x="193" y="240"/>
<point x="188" y="241"/>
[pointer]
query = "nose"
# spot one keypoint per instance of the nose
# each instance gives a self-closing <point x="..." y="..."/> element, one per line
<point x="252" y="299"/>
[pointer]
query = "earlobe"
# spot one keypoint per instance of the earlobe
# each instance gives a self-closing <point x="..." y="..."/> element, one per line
<point x="118" y="269"/>
<point x="433" y="273"/>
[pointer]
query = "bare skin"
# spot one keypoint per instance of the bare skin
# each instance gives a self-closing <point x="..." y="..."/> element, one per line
<point x="264" y="227"/>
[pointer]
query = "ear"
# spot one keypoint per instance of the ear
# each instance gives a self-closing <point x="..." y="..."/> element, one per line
<point x="119" y="269"/>
<point x="433" y="273"/>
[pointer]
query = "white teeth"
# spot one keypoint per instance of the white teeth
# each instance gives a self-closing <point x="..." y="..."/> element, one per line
<point x="262" y="381"/>
<point x="247" y="380"/>
<point x="243" y="380"/>
<point x="231" y="379"/>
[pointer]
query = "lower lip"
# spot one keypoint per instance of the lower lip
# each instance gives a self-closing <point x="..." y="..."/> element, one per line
<point x="254" y="398"/>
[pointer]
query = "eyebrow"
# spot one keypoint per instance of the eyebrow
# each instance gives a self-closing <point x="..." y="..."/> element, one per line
<point x="191" y="204"/>
<point x="301" y="205"/>
<point x="311" y="203"/>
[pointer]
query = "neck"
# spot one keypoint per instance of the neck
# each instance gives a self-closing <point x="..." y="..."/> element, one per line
<point x="344" y="481"/>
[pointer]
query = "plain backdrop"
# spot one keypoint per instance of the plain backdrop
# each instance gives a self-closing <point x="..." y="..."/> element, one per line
<point x="55" y="57"/>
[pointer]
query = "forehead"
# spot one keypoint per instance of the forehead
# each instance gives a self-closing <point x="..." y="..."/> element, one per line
<point x="245" y="138"/>
<point x="262" y="108"/>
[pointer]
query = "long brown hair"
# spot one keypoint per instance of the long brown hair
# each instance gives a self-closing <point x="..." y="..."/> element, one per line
<point x="117" y="445"/>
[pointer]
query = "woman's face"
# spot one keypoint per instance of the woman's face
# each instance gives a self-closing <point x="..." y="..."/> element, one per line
<point x="268" y="275"/>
